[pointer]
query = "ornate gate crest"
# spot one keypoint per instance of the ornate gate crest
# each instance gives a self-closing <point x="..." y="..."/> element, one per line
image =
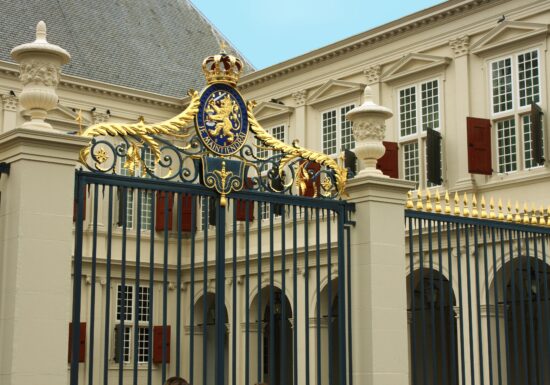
<point x="219" y="154"/>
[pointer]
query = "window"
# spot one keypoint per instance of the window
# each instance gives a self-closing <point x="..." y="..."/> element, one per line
<point x="146" y="197"/>
<point x="419" y="108"/>
<point x="127" y="308"/>
<point x="336" y="130"/>
<point x="515" y="84"/>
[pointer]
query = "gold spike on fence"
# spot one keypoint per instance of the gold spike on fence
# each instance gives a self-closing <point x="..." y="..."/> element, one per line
<point x="470" y="206"/>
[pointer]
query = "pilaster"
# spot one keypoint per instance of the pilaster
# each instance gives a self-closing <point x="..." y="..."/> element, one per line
<point x="9" y="108"/>
<point x="372" y="74"/>
<point x="300" y="116"/>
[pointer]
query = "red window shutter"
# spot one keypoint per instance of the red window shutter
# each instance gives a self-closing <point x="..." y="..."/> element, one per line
<point x="82" y="350"/>
<point x="157" y="344"/>
<point x="241" y="205"/>
<point x="310" y="189"/>
<point x="389" y="162"/>
<point x="75" y="205"/>
<point x="187" y="213"/>
<point x="162" y="199"/>
<point x="479" y="146"/>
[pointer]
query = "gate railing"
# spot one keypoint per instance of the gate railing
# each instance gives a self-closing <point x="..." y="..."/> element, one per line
<point x="253" y="292"/>
<point x="478" y="295"/>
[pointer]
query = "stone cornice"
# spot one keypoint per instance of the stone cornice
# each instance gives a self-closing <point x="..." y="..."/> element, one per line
<point x="406" y="25"/>
<point x="105" y="89"/>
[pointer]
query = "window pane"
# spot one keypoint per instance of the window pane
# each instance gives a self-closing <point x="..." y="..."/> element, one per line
<point x="128" y="302"/>
<point x="501" y="74"/>
<point x="143" y="344"/>
<point x="348" y="141"/>
<point x="407" y="111"/>
<point x="129" y="196"/>
<point x="430" y="105"/>
<point x="411" y="167"/>
<point x="329" y="132"/>
<point x="506" y="145"/>
<point x="528" y="76"/>
<point x="279" y="133"/>
<point x="146" y="210"/>
<point x="143" y="299"/>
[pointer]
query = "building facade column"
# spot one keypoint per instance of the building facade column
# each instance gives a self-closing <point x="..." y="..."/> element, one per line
<point x="300" y="116"/>
<point x="9" y="109"/>
<point x="372" y="74"/>
<point x="464" y="180"/>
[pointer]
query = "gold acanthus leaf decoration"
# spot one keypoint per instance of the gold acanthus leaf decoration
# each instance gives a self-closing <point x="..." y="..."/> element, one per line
<point x="170" y="127"/>
<point x="295" y="151"/>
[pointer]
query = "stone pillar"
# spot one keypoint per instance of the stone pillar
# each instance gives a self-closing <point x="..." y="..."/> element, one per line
<point x="36" y="210"/>
<point x="9" y="107"/>
<point x="300" y="116"/>
<point x="40" y="68"/>
<point x="378" y="281"/>
<point x="35" y="256"/>
<point x="378" y="266"/>
<point x="464" y="180"/>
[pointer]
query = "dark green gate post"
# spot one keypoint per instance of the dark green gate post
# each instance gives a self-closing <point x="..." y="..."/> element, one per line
<point x="220" y="293"/>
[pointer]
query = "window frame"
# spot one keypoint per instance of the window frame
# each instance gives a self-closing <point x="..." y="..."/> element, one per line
<point x="420" y="135"/>
<point x="129" y="323"/>
<point x="338" y="112"/>
<point x="517" y="112"/>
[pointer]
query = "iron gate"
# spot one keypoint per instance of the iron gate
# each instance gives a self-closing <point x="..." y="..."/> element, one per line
<point x="478" y="295"/>
<point x="206" y="255"/>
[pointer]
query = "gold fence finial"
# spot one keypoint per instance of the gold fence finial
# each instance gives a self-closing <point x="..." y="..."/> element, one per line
<point x="517" y="217"/>
<point x="542" y="222"/>
<point x="447" y="202"/>
<point x="419" y="205"/>
<point x="500" y="210"/>
<point x="475" y="213"/>
<point x="483" y="208"/>
<point x="526" y="213"/>
<point x="428" y="200"/>
<point x="548" y="216"/>
<point x="534" y="220"/>
<point x="437" y="201"/>
<point x="509" y="216"/>
<point x="465" y="209"/>
<point x="409" y="203"/>
<point x="492" y="214"/>
<point x="457" y="207"/>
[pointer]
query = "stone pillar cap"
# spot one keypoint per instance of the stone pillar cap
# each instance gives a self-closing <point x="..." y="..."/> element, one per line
<point x="369" y="107"/>
<point x="40" y="45"/>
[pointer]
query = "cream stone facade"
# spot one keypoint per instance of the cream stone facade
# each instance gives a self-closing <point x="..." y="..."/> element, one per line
<point x="445" y="56"/>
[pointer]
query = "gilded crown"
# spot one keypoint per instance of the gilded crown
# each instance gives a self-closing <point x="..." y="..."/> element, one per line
<point x="222" y="68"/>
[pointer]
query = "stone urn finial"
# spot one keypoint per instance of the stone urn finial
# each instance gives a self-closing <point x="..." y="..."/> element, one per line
<point x="369" y="127"/>
<point x="40" y="66"/>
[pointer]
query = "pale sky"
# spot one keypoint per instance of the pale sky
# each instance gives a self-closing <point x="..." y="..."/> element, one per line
<point x="269" y="32"/>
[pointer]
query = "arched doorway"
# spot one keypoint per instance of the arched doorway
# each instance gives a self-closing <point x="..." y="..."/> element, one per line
<point x="523" y="295"/>
<point x="276" y="351"/>
<point x="205" y="341"/>
<point x="432" y="328"/>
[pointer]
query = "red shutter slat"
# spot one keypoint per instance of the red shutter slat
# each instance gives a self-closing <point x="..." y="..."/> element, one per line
<point x="389" y="162"/>
<point x="82" y="349"/>
<point x="187" y="213"/>
<point x="161" y="201"/>
<point x="310" y="189"/>
<point x="241" y="205"/>
<point x="479" y="146"/>
<point x="75" y="204"/>
<point x="157" y="344"/>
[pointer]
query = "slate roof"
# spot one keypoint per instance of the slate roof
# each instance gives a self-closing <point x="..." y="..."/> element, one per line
<point x="151" y="45"/>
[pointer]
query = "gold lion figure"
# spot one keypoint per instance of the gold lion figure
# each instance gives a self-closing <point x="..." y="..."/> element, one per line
<point x="223" y="115"/>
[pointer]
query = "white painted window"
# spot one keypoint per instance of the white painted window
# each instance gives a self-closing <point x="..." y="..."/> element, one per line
<point x="133" y="306"/>
<point x="419" y="107"/>
<point x="336" y="130"/>
<point x="515" y="83"/>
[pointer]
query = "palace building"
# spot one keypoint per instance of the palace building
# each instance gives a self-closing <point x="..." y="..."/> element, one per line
<point x="466" y="298"/>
